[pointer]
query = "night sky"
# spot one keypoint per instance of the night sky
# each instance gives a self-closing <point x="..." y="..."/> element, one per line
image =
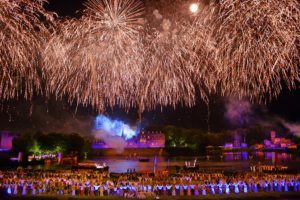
<point x="39" y="115"/>
<point x="22" y="116"/>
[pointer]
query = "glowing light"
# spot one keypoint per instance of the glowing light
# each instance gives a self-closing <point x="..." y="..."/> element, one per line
<point x="114" y="127"/>
<point x="194" y="8"/>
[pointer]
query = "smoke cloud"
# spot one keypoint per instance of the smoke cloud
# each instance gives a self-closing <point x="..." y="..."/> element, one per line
<point x="51" y="117"/>
<point x="113" y="132"/>
<point x="243" y="114"/>
<point x="238" y="112"/>
<point x="114" y="142"/>
<point x="114" y="127"/>
<point x="293" y="128"/>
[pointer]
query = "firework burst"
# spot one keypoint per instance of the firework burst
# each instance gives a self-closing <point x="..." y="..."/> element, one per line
<point x="21" y="37"/>
<point x="97" y="60"/>
<point x="169" y="57"/>
<point x="112" y="55"/>
<point x="257" y="46"/>
<point x="174" y="63"/>
<point x="167" y="78"/>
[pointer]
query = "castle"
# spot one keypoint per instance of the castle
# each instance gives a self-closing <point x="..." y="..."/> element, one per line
<point x="236" y="144"/>
<point x="149" y="139"/>
<point x="278" y="142"/>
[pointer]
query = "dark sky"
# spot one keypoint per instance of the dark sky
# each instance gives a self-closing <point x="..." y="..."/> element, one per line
<point x="65" y="7"/>
<point x="59" y="116"/>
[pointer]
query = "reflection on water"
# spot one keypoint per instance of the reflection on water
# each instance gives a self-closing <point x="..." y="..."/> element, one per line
<point x="236" y="156"/>
<point x="258" y="156"/>
<point x="230" y="160"/>
<point x="276" y="157"/>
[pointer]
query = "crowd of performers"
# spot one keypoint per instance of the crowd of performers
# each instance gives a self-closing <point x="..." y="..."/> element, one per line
<point x="92" y="183"/>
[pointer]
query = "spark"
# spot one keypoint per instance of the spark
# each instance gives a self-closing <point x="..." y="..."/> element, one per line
<point x="97" y="60"/>
<point x="257" y="46"/>
<point x="166" y="80"/>
<point x="114" y="55"/>
<point x="172" y="60"/>
<point x="171" y="57"/>
<point x="21" y="38"/>
<point x="110" y="57"/>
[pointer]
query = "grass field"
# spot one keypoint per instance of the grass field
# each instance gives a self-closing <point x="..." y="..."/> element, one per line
<point x="251" y="196"/>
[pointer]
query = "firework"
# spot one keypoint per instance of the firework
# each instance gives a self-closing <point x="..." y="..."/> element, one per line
<point x="173" y="59"/>
<point x="167" y="78"/>
<point x="257" y="46"/>
<point x="97" y="60"/>
<point x="178" y="58"/>
<point x="21" y="37"/>
<point x="112" y="55"/>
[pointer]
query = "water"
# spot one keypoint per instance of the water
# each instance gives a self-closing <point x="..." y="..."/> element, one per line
<point x="229" y="161"/>
<point x="238" y="161"/>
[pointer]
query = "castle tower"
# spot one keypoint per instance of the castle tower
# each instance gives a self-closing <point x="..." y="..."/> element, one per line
<point x="237" y="140"/>
<point x="123" y="134"/>
<point x="273" y="136"/>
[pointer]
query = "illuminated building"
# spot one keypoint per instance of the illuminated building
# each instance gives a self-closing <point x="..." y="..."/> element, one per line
<point x="148" y="139"/>
<point x="278" y="142"/>
<point x="236" y="144"/>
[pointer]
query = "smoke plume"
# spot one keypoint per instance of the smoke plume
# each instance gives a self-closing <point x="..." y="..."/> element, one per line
<point x="293" y="128"/>
<point x="238" y="112"/>
<point x="113" y="133"/>
<point x="114" y="142"/>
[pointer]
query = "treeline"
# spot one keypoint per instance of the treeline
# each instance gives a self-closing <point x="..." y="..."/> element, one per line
<point x="52" y="143"/>
<point x="197" y="139"/>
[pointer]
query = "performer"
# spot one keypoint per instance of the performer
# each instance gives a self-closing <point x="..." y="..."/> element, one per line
<point x="8" y="190"/>
<point x="73" y="188"/>
<point x="196" y="191"/>
<point x="255" y="187"/>
<point x="220" y="185"/>
<point x="189" y="190"/>
<point x="173" y="191"/>
<point x="169" y="189"/>
<point x="236" y="188"/>
<point x="212" y="189"/>
<point x="204" y="190"/>
<point x="101" y="190"/>
<point x="16" y="189"/>
<point x="24" y="191"/>
<point x="181" y="192"/>
<point x="286" y="188"/>
<point x="245" y="187"/>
